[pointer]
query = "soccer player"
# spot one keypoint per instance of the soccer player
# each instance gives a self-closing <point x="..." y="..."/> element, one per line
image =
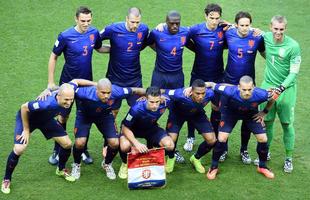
<point x="241" y="103"/>
<point x="208" y="39"/>
<point x="283" y="61"/>
<point x="77" y="44"/>
<point x="141" y="122"/>
<point x="191" y="109"/>
<point x="127" y="39"/>
<point x="169" y="45"/>
<point x="242" y="45"/>
<point x="94" y="105"/>
<point x="40" y="115"/>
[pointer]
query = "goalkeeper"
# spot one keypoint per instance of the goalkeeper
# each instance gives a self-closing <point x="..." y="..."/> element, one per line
<point x="282" y="66"/>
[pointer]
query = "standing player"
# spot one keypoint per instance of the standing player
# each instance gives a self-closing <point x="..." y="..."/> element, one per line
<point x="241" y="103"/>
<point x="77" y="44"/>
<point x="141" y="122"/>
<point x="94" y="105"/>
<point x="242" y="45"/>
<point x="209" y="41"/>
<point x="169" y="45"/>
<point x="127" y="39"/>
<point x="282" y="66"/>
<point x="191" y="109"/>
<point x="40" y="115"/>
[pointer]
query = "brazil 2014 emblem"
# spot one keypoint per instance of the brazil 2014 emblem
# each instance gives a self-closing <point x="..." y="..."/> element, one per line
<point x="146" y="174"/>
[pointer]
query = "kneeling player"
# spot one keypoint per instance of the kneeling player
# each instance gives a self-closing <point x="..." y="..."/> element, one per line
<point x="141" y="122"/>
<point x="191" y="109"/>
<point x="241" y="103"/>
<point x="40" y="115"/>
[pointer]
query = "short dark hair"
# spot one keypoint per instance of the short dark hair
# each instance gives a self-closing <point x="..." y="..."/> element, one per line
<point x="173" y="14"/>
<point x="152" y="91"/>
<point x="198" y="83"/>
<point x="212" y="7"/>
<point x="82" y="9"/>
<point x="242" y="14"/>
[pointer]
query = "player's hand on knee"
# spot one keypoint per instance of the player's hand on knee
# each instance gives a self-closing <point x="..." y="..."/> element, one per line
<point x="24" y="137"/>
<point x="142" y="148"/>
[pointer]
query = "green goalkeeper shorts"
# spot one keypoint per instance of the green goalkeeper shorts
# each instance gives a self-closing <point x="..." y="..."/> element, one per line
<point x="284" y="106"/>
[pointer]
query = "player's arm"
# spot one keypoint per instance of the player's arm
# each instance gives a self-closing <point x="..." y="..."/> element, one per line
<point x="105" y="48"/>
<point x="190" y="45"/>
<point x="142" y="148"/>
<point x="83" y="82"/>
<point x="25" y="119"/>
<point x="51" y="71"/>
<point x="138" y="91"/>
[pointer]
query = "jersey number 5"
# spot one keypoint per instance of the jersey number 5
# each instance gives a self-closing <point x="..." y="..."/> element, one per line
<point x="240" y="53"/>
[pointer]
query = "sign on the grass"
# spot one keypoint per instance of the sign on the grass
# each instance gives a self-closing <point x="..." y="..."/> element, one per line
<point x="146" y="170"/>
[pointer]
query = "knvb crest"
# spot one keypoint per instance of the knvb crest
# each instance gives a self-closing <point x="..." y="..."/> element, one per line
<point x="220" y="34"/>
<point x="251" y="43"/>
<point x="183" y="40"/>
<point x="146" y="174"/>
<point x="139" y="35"/>
<point x="92" y="37"/>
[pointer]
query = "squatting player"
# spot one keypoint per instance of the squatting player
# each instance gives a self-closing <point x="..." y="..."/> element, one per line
<point x="94" y="105"/>
<point x="191" y="109"/>
<point x="141" y="122"/>
<point x="40" y="115"/>
<point x="283" y="60"/>
<point x="241" y="103"/>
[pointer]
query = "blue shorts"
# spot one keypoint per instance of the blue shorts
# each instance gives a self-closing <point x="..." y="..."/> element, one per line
<point x="50" y="128"/>
<point x="153" y="136"/>
<point x="131" y="100"/>
<point x="228" y="122"/>
<point x="168" y="80"/>
<point x="105" y="124"/>
<point x="199" y="120"/>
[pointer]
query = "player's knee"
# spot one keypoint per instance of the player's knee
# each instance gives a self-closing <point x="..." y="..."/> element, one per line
<point x="67" y="144"/>
<point x="125" y="145"/>
<point x="262" y="138"/>
<point x="80" y="143"/>
<point x="19" y="148"/>
<point x="168" y="143"/>
<point x="113" y="143"/>
<point x="222" y="137"/>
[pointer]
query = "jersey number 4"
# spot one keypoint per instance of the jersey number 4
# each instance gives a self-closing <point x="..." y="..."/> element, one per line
<point x="174" y="51"/>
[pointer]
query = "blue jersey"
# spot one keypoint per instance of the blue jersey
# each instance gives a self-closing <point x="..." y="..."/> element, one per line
<point x="42" y="111"/>
<point x="185" y="105"/>
<point x="209" y="45"/>
<point x="232" y="103"/>
<point x="89" y="104"/>
<point x="169" y="49"/>
<point x="140" y="118"/>
<point x="124" y="65"/>
<point x="77" y="49"/>
<point x="241" y="55"/>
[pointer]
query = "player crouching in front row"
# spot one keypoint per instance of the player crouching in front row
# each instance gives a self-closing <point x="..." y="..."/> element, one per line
<point x="241" y="103"/>
<point x="141" y="122"/>
<point x="40" y="115"/>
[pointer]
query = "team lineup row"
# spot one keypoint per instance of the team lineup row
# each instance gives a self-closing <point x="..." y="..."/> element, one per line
<point x="207" y="40"/>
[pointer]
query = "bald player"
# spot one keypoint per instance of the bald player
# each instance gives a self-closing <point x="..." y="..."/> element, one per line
<point x="241" y="103"/>
<point x="40" y="115"/>
<point x="94" y="106"/>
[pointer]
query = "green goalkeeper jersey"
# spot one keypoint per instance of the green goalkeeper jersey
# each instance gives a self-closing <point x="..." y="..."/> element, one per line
<point x="282" y="60"/>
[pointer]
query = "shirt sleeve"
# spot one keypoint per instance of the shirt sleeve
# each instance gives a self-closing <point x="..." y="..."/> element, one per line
<point x="261" y="45"/>
<point x="35" y="106"/>
<point x="59" y="45"/>
<point x="106" y="33"/>
<point x="121" y="92"/>
<point x="295" y="62"/>
<point x="151" y="38"/>
<point x="130" y="118"/>
<point x="98" y="42"/>
<point x="223" y="89"/>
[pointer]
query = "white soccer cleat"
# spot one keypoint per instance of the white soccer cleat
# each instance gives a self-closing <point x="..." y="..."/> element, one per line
<point x="76" y="170"/>
<point x="189" y="144"/>
<point x="288" y="166"/>
<point x="223" y="156"/>
<point x="109" y="171"/>
<point x="245" y="157"/>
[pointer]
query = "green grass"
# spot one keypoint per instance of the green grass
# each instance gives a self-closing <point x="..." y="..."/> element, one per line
<point x="29" y="30"/>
